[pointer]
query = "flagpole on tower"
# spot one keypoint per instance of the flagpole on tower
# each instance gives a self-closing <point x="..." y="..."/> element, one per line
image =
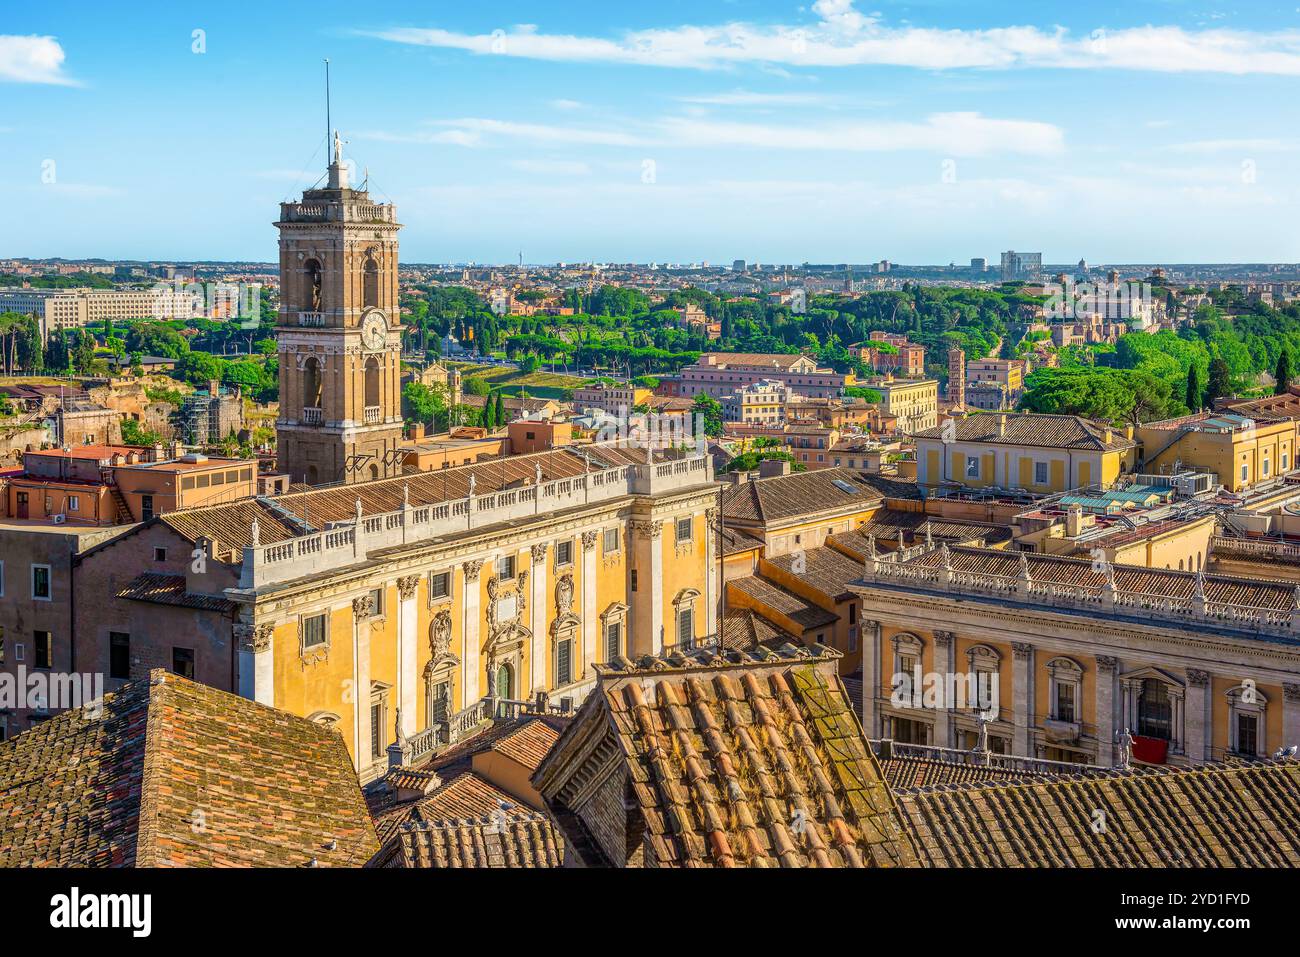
<point x="328" y="127"/>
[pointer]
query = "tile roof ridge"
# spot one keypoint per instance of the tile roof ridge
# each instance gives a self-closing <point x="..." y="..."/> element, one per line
<point x="146" y="827"/>
<point x="711" y="659"/>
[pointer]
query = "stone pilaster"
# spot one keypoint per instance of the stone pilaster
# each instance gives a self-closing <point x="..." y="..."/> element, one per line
<point x="256" y="646"/>
<point x="362" y="608"/>
<point x="870" y="677"/>
<point x="1199" y="719"/>
<point x="590" y="620"/>
<point x="711" y="518"/>
<point x="469" y="632"/>
<point x="408" y="641"/>
<point x="1290" y="714"/>
<point x="1106" y="726"/>
<point x="537" y="651"/>
<point x="945" y="652"/>
<point x="1022" y="697"/>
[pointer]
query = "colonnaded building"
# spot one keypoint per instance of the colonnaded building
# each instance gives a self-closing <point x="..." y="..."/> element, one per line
<point x="391" y="606"/>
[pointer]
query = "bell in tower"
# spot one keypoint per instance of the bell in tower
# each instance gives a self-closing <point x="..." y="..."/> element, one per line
<point x="339" y="334"/>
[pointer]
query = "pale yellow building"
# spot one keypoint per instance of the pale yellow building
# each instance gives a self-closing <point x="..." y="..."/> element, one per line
<point x="1035" y="453"/>
<point x="913" y="402"/>
<point x="1239" y="451"/>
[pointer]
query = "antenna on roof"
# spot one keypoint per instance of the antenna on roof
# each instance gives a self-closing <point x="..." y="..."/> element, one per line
<point x="328" y="126"/>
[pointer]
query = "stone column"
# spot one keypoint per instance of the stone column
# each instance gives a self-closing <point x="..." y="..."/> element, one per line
<point x="1106" y="725"/>
<point x="469" y="634"/>
<point x="256" y="646"/>
<point x="945" y="650"/>
<point x="1290" y="714"/>
<point x="589" y="614"/>
<point x="870" y="677"/>
<point x="408" y="642"/>
<point x="647" y="635"/>
<point x="537" y="653"/>
<point x="362" y="608"/>
<point x="1022" y="696"/>
<point x="1199" y="719"/>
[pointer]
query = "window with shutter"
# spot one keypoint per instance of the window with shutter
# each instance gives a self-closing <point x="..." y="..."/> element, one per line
<point x="613" y="640"/>
<point x="685" y="628"/>
<point x="564" y="662"/>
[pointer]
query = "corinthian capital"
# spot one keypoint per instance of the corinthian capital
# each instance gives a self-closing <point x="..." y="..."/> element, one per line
<point x="406" y="586"/>
<point x="472" y="568"/>
<point x="363" y="607"/>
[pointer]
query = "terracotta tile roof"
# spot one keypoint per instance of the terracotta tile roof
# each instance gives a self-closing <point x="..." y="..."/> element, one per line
<point x="906" y="772"/>
<point x="801" y="493"/>
<point x="174" y="773"/>
<point x="735" y="541"/>
<point x="799" y="610"/>
<point x="461" y="795"/>
<point x="853" y="686"/>
<point x="529" y="743"/>
<point x="230" y="526"/>
<point x="1041" y="431"/>
<point x="1213" y="816"/>
<point x="738" y="759"/>
<point x="1270" y="407"/>
<point x="170" y="590"/>
<point x="512" y="840"/>
<point x="825" y="569"/>
<point x="744" y="629"/>
<point x="1161" y="582"/>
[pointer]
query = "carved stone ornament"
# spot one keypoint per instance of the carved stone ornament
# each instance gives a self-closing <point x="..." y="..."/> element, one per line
<point x="539" y="553"/>
<point x="564" y="596"/>
<point x="588" y="540"/>
<point x="406" y="586"/>
<point x="253" y="638"/>
<point x="363" y="607"/>
<point x="440" y="635"/>
<point x="472" y="569"/>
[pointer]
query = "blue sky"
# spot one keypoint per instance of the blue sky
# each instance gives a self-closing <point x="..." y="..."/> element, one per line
<point x="771" y="131"/>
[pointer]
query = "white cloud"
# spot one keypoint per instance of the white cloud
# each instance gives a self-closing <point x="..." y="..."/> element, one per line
<point x="563" y="104"/>
<point x="948" y="134"/>
<point x="748" y="98"/>
<point x="1259" y="145"/>
<point x="32" y="60"/>
<point x="843" y="36"/>
<point x="445" y="137"/>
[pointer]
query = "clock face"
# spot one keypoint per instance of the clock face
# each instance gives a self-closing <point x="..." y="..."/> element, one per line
<point x="374" y="330"/>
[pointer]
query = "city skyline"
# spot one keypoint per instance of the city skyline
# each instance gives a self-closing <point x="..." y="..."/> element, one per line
<point x="763" y="131"/>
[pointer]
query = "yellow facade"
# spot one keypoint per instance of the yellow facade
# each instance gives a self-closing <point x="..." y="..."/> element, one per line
<point x="1039" y="469"/>
<point x="1240" y="456"/>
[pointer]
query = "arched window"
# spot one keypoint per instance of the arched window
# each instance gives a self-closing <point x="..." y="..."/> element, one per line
<point x="370" y="283"/>
<point x="311" y="383"/>
<point x="372" y="382"/>
<point x="314" y="298"/>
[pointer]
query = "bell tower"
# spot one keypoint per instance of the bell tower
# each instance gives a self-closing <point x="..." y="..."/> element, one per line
<point x="339" y="335"/>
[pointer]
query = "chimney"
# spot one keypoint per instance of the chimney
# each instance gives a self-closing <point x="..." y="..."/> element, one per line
<point x="1074" y="521"/>
<point x="1108" y="435"/>
<point x="738" y="478"/>
<point x="1002" y="424"/>
<point x="417" y="431"/>
<point x="769" y="468"/>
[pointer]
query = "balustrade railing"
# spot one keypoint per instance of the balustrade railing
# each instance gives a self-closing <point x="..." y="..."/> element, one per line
<point x="313" y="415"/>
<point x="311" y="319"/>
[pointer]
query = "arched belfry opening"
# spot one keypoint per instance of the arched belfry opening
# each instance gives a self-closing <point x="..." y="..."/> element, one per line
<point x="370" y="283"/>
<point x="372" y="383"/>
<point x="314" y="293"/>
<point x="311" y="383"/>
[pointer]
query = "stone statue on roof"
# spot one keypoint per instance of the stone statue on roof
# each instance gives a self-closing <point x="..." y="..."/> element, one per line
<point x="1125" y="741"/>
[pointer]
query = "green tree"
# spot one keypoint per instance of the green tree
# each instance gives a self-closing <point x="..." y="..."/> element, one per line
<point x="1220" y="381"/>
<point x="1283" y="373"/>
<point x="1193" y="398"/>
<point x="710" y="409"/>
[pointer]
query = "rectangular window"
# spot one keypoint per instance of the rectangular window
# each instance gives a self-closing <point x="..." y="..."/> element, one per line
<point x="376" y="601"/>
<point x="564" y="662"/>
<point x="439" y="585"/>
<point x="44" y="644"/>
<point x="613" y="640"/>
<point x="74" y="503"/>
<point x="160" y="554"/>
<point x="972" y="467"/>
<point x="119" y="655"/>
<point x="564" y="553"/>
<point x="183" y="662"/>
<point x="41" y="582"/>
<point x="685" y="528"/>
<point x="2" y="579"/>
<point x="611" y="541"/>
<point x="1040" y="473"/>
<point x="686" y="628"/>
<point x="377" y="730"/>
<point x="146" y="507"/>
<point x="313" y="631"/>
<point x="1065" y="701"/>
<point x="1245" y="472"/>
<point x="439" y="703"/>
<point x="853" y="638"/>
<point x="633" y="581"/>
<point x="1247" y="733"/>
<point x="506" y="567"/>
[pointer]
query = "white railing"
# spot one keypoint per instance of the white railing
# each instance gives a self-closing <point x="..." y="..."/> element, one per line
<point x="1257" y="549"/>
<point x="313" y="415"/>
<point x="1093" y="599"/>
<point x="311" y="319"/>
<point x="345" y="544"/>
<point x="373" y="414"/>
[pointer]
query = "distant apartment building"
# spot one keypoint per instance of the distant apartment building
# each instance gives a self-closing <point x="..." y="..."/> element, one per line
<point x="760" y="403"/>
<point x="914" y="403"/>
<point x="721" y="373"/>
<point x="994" y="384"/>
<point x="612" y="399"/>
<point x="1021" y="265"/>
<point x="66" y="309"/>
<point x="889" y="352"/>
